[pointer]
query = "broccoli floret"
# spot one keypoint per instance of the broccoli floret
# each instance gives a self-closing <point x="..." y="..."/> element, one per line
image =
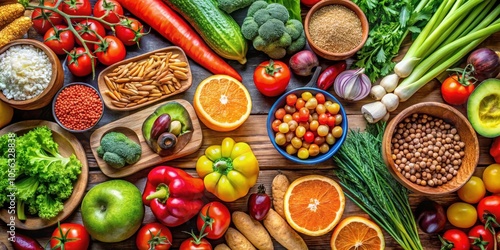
<point x="259" y="43"/>
<point x="272" y="30"/>
<point x="119" y="144"/>
<point x="100" y="152"/>
<point x="275" y="51"/>
<point x="114" y="160"/>
<point x="249" y="28"/>
<point x="294" y="28"/>
<point x="261" y="16"/>
<point x="255" y="6"/>
<point x="297" y="45"/>
<point x="278" y="11"/>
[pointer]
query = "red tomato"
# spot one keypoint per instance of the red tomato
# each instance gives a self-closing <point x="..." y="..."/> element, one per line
<point x="70" y="236"/>
<point x="489" y="207"/>
<point x="59" y="39"/>
<point x="309" y="3"/>
<point x="154" y="236"/>
<point x="77" y="8"/>
<point x="309" y="137"/>
<point x="480" y="236"/>
<point x="456" y="91"/>
<point x="291" y="99"/>
<point x="271" y="77"/>
<point x="110" y="51"/>
<point x="90" y="30"/>
<point x="456" y="237"/>
<point x="115" y="11"/>
<point x="43" y="21"/>
<point x="217" y="218"/>
<point x="129" y="31"/>
<point x="303" y="114"/>
<point x="192" y="244"/>
<point x="79" y="63"/>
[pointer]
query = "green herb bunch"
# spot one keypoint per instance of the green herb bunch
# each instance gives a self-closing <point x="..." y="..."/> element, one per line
<point x="362" y="172"/>
<point x="390" y="22"/>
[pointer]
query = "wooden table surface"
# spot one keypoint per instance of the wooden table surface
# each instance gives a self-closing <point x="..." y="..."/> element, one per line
<point x="253" y="131"/>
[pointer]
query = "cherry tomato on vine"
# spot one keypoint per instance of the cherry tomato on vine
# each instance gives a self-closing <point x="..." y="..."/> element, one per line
<point x="154" y="236"/>
<point x="217" y="218"/>
<point x="455" y="90"/>
<point x="80" y="63"/>
<point x="59" y="39"/>
<point x="70" y="236"/>
<point x="489" y="208"/>
<point x="110" y="51"/>
<point x="259" y="203"/>
<point x="90" y="30"/>
<point x="193" y="244"/>
<point x="271" y="77"/>
<point x="129" y="31"/>
<point x="115" y="11"/>
<point x="43" y="20"/>
<point x="461" y="214"/>
<point x="491" y="175"/>
<point x="77" y="8"/>
<point x="480" y="236"/>
<point x="472" y="191"/>
<point x="457" y="238"/>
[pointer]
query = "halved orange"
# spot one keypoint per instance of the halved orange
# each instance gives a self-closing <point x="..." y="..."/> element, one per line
<point x="222" y="103"/>
<point x="314" y="204"/>
<point x="357" y="232"/>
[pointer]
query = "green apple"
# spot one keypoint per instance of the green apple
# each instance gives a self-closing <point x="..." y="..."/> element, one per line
<point x="112" y="211"/>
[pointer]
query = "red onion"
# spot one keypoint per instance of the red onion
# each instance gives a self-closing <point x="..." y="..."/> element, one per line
<point x="485" y="62"/>
<point x="352" y="85"/>
<point x="303" y="62"/>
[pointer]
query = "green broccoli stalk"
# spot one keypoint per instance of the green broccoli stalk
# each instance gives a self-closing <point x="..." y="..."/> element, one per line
<point x="271" y="30"/>
<point x="117" y="150"/>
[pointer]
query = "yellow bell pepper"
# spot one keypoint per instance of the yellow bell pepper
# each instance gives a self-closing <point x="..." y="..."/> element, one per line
<point x="228" y="170"/>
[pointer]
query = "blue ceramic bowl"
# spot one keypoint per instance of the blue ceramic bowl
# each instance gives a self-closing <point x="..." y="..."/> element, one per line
<point x="313" y="159"/>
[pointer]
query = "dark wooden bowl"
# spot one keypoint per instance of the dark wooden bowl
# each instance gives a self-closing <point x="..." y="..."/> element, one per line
<point x="56" y="82"/>
<point x="467" y="135"/>
<point x="328" y="54"/>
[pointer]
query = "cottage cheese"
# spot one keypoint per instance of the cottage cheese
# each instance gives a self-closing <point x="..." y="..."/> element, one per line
<point x="25" y="71"/>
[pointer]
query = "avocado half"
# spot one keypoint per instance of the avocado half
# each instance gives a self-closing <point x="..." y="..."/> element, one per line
<point x="483" y="108"/>
<point x="177" y="112"/>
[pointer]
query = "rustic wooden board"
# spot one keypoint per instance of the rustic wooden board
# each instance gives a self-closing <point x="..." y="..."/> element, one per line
<point x="186" y="84"/>
<point x="132" y="126"/>
<point x="68" y="145"/>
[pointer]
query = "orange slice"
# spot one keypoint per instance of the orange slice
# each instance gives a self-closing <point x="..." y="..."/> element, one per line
<point x="222" y="103"/>
<point x="314" y="204"/>
<point x="356" y="232"/>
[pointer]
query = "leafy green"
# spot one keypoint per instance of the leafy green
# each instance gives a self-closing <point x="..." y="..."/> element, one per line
<point x="363" y="173"/>
<point x="390" y="22"/>
<point x="43" y="177"/>
<point x="293" y="7"/>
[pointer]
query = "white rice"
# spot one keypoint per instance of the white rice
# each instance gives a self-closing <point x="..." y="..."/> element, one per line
<point x="25" y="71"/>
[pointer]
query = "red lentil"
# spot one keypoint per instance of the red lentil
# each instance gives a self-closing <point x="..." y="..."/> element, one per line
<point x="78" y="107"/>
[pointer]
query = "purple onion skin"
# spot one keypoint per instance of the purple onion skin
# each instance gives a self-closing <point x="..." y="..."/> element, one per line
<point x="486" y="63"/>
<point x="431" y="217"/>
<point x="303" y="62"/>
<point x="23" y="242"/>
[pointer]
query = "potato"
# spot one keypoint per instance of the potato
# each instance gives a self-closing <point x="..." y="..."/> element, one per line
<point x="279" y="187"/>
<point x="236" y="240"/>
<point x="279" y="229"/>
<point x="222" y="246"/>
<point x="253" y="230"/>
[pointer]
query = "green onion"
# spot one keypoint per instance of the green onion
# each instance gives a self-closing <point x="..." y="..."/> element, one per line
<point x="363" y="173"/>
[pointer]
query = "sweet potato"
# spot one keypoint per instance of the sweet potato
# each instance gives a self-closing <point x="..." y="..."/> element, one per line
<point x="279" y="187"/>
<point x="279" y="229"/>
<point x="236" y="240"/>
<point x="222" y="246"/>
<point x="253" y="230"/>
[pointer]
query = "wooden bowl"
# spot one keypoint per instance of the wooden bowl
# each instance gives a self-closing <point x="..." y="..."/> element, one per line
<point x="465" y="131"/>
<point x="328" y="54"/>
<point x="56" y="82"/>
<point x="185" y="84"/>
<point x="68" y="144"/>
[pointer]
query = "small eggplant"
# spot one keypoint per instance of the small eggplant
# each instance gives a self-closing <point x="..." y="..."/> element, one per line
<point x="161" y="124"/>
<point x="431" y="217"/>
<point x="23" y="242"/>
<point x="167" y="141"/>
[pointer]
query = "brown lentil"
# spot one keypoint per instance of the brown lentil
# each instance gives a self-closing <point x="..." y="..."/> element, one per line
<point x="335" y="28"/>
<point x="436" y="150"/>
<point x="78" y="107"/>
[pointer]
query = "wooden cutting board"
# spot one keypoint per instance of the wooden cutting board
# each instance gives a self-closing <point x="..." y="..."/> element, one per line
<point x="132" y="127"/>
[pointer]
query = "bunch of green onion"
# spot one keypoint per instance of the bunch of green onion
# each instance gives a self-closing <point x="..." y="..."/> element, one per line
<point x="457" y="27"/>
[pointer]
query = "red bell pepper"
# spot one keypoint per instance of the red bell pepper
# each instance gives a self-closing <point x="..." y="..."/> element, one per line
<point x="495" y="149"/>
<point x="173" y="195"/>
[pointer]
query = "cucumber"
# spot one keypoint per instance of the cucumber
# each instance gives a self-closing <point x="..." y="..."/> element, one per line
<point x="218" y="29"/>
